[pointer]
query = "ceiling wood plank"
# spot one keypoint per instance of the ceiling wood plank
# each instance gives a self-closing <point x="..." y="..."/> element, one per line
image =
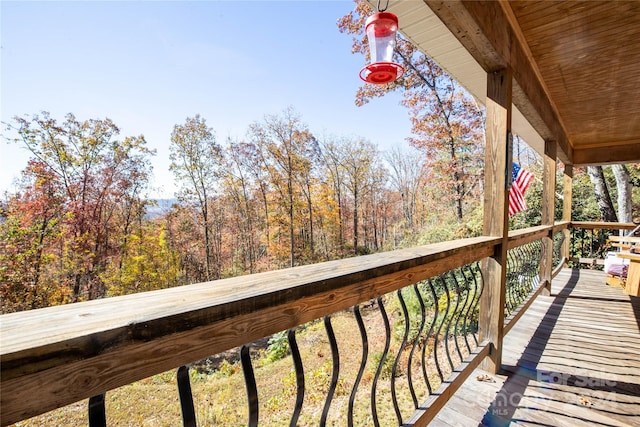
<point x="483" y="28"/>
<point x="588" y="54"/>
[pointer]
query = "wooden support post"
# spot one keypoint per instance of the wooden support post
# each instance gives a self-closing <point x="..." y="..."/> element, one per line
<point x="496" y="208"/>
<point x="548" y="213"/>
<point x="566" y="209"/>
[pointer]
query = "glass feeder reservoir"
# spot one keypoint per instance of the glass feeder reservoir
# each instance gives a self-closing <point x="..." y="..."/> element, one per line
<point x="381" y="31"/>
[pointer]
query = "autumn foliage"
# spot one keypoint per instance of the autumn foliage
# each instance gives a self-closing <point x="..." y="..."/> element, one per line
<point x="77" y="229"/>
<point x="81" y="202"/>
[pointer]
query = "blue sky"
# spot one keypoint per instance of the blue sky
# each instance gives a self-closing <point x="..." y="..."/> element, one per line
<point x="149" y="65"/>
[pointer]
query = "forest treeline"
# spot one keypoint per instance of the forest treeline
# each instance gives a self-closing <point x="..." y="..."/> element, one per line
<point x="76" y="229"/>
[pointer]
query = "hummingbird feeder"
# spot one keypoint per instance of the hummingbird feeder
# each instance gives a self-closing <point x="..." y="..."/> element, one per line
<point x="381" y="31"/>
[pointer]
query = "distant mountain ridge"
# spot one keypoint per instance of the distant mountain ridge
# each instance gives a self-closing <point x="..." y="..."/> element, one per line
<point x="162" y="207"/>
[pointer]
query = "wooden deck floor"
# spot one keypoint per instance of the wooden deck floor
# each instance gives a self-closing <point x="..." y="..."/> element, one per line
<point x="572" y="360"/>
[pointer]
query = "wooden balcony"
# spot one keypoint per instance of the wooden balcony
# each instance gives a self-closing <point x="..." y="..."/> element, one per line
<point x="565" y="358"/>
<point x="571" y="360"/>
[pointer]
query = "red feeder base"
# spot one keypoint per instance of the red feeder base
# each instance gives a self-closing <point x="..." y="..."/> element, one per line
<point x="381" y="72"/>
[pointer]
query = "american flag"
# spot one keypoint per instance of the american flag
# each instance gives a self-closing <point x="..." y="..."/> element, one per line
<point x="521" y="180"/>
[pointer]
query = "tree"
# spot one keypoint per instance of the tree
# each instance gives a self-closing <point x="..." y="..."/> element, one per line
<point x="332" y="161"/>
<point x="147" y="263"/>
<point x="602" y="193"/>
<point x="196" y="161"/>
<point x="374" y="204"/>
<point x="287" y="150"/>
<point x="88" y="169"/>
<point x="184" y="236"/>
<point x="358" y="158"/>
<point x="623" y="186"/>
<point x="407" y="179"/>
<point x="238" y="187"/>
<point x="446" y="121"/>
<point x="30" y="222"/>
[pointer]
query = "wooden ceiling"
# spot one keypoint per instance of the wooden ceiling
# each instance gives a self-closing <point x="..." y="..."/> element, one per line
<point x="576" y="65"/>
<point x="588" y="55"/>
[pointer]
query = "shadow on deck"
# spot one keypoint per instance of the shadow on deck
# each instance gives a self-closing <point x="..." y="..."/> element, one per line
<point x="571" y="360"/>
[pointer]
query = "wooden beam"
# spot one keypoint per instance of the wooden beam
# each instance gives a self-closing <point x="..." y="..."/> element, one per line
<point x="484" y="29"/>
<point x="548" y="213"/>
<point x="607" y="154"/>
<point x="521" y="53"/>
<point x="567" y="195"/>
<point x="496" y="207"/>
<point x="464" y="27"/>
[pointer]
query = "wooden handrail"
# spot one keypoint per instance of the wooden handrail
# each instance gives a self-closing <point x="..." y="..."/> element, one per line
<point x="527" y="235"/>
<point x="589" y="225"/>
<point x="67" y="353"/>
<point x="561" y="225"/>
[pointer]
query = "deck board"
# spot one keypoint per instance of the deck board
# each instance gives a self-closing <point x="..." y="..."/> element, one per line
<point x="573" y="359"/>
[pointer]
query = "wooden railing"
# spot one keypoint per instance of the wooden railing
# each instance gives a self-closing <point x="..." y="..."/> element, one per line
<point x="589" y="241"/>
<point x="59" y="355"/>
<point x="67" y="353"/>
<point x="523" y="282"/>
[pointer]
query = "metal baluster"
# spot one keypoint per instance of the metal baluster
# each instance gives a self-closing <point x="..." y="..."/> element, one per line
<point x="509" y="297"/>
<point x="529" y="265"/>
<point x="363" y="362"/>
<point x="405" y="335"/>
<point x="449" y="319"/>
<point x="515" y="284"/>
<point x="516" y="290"/>
<point x="532" y="266"/>
<point x="387" y="341"/>
<point x="573" y="246"/>
<point x="507" y="292"/>
<point x="479" y="282"/>
<point x="428" y="334"/>
<point x="437" y="335"/>
<point x="524" y="284"/>
<point x="299" y="368"/>
<point x="97" y="413"/>
<point x="335" y="357"/>
<point x="536" y="257"/>
<point x="456" y="313"/>
<point x="186" y="397"/>
<point x="473" y="287"/>
<point x="520" y="281"/>
<point x="250" y="383"/>
<point x="423" y="319"/>
<point x="466" y="307"/>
